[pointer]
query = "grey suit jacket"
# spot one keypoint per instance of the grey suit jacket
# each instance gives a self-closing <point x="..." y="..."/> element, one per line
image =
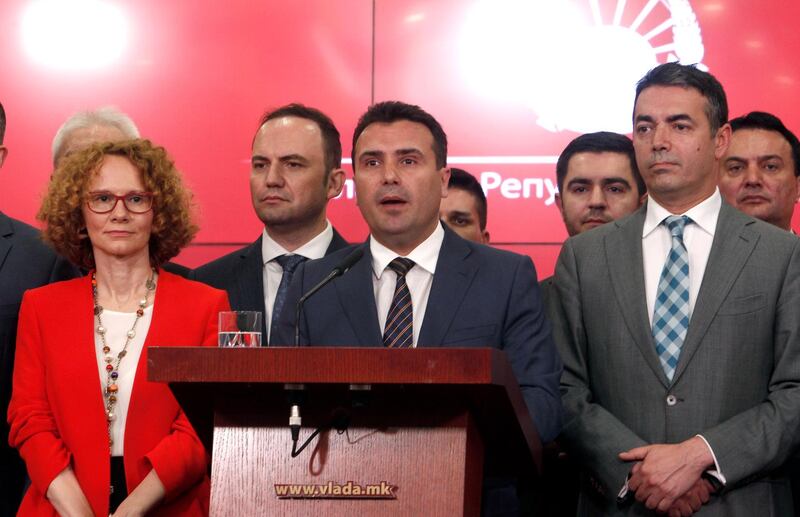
<point x="25" y="262"/>
<point x="738" y="377"/>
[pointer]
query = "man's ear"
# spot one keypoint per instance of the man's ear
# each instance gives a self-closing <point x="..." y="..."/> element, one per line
<point x="445" y="172"/>
<point x="3" y="153"/>
<point x="722" y="141"/>
<point x="335" y="182"/>
<point x="797" y="197"/>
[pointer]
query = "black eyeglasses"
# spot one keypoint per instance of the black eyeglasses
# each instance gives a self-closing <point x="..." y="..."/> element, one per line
<point x="102" y="202"/>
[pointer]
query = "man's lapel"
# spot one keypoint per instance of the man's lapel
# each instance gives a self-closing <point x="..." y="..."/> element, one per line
<point x="249" y="293"/>
<point x="451" y="280"/>
<point x="733" y="243"/>
<point x="357" y="298"/>
<point x="623" y="249"/>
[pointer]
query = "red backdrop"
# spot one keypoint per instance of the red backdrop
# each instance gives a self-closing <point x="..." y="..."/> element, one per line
<point x="511" y="82"/>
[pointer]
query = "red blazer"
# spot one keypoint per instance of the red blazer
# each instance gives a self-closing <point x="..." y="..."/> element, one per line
<point x="57" y="414"/>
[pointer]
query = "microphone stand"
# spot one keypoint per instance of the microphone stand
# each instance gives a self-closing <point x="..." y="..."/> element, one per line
<point x="296" y="390"/>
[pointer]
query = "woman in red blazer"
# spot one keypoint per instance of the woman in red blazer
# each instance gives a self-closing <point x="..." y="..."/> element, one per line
<point x="121" y="211"/>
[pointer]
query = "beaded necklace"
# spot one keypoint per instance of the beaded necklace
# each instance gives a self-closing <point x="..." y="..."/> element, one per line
<point x="112" y="368"/>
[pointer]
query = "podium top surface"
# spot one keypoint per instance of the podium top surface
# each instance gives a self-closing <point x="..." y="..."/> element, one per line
<point x="330" y="365"/>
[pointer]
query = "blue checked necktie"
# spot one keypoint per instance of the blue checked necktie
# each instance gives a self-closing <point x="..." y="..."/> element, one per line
<point x="671" y="312"/>
<point x="288" y="263"/>
<point x="399" y="329"/>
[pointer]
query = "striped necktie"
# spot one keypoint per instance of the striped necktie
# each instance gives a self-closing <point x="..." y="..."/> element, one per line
<point x="399" y="329"/>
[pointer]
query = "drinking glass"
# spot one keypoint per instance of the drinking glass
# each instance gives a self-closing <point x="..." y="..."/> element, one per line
<point x="239" y="329"/>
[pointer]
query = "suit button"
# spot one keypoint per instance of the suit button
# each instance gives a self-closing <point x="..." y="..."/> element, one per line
<point x="671" y="400"/>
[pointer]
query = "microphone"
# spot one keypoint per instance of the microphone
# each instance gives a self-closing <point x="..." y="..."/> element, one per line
<point x="343" y="267"/>
<point x="296" y="390"/>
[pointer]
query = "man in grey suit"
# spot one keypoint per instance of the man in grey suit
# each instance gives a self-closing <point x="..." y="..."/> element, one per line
<point x="679" y="329"/>
<point x="296" y="170"/>
<point x="25" y="262"/>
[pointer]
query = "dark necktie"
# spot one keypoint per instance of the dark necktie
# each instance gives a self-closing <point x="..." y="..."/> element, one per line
<point x="399" y="329"/>
<point x="288" y="263"/>
<point x="671" y="312"/>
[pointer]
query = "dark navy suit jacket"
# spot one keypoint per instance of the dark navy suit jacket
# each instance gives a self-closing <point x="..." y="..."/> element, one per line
<point x="480" y="297"/>
<point x="241" y="274"/>
<point x="25" y="262"/>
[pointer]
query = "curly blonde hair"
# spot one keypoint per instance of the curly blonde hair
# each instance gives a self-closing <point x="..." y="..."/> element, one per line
<point x="173" y="222"/>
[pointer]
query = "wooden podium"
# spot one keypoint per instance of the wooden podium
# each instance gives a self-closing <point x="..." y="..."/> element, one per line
<point x="405" y="432"/>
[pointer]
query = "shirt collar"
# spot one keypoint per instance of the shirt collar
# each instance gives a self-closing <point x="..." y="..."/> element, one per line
<point x="313" y="249"/>
<point x="425" y="255"/>
<point x="704" y="214"/>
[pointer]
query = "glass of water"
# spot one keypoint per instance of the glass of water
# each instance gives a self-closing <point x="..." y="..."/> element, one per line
<point x="239" y="329"/>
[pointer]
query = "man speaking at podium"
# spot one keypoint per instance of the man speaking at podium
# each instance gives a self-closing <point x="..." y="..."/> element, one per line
<point x="419" y="283"/>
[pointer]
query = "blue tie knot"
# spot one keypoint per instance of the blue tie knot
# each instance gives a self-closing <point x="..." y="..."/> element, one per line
<point x="290" y="262"/>
<point x="676" y="224"/>
<point x="401" y="265"/>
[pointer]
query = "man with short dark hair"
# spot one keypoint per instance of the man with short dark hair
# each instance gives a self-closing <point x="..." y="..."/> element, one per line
<point x="760" y="173"/>
<point x="464" y="207"/>
<point x="295" y="170"/>
<point x="418" y="283"/>
<point x="25" y="263"/>
<point x="598" y="181"/>
<point x="679" y="329"/>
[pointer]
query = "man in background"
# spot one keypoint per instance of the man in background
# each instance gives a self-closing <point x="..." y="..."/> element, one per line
<point x="85" y="128"/>
<point x="760" y="173"/>
<point x="598" y="181"/>
<point x="25" y="263"/>
<point x="295" y="170"/>
<point x="464" y="208"/>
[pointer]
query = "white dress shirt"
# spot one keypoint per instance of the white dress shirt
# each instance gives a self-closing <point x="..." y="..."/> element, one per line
<point x="270" y="250"/>
<point x="657" y="242"/>
<point x="419" y="278"/>
<point x="117" y="325"/>
<point x="697" y="237"/>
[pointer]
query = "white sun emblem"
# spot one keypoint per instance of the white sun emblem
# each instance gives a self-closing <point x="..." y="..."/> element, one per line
<point x="575" y="63"/>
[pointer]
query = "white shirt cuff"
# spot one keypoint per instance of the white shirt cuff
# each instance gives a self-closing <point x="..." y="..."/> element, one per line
<point x="624" y="492"/>
<point x="716" y="472"/>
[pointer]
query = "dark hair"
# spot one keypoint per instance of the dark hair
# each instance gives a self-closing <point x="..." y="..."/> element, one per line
<point x="462" y="180"/>
<point x="2" y="123"/>
<point x="392" y="111"/>
<point x="600" y="142"/>
<point x="689" y="76"/>
<point x="331" y="143"/>
<point x="769" y="122"/>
